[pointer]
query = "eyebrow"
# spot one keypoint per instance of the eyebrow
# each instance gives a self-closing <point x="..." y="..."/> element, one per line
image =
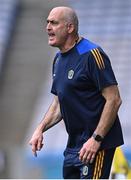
<point x="51" y="21"/>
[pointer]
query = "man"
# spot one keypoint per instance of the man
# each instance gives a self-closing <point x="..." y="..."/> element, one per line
<point x="86" y="97"/>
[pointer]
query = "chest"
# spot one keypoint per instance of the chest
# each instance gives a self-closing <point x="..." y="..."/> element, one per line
<point x="70" y="74"/>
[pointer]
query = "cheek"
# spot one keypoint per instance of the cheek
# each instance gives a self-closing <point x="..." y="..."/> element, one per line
<point x="62" y="35"/>
<point x="61" y="31"/>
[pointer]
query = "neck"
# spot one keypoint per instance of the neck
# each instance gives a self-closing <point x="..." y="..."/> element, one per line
<point x="70" y="43"/>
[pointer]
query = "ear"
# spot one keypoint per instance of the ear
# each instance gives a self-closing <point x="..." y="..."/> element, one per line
<point x="70" y="28"/>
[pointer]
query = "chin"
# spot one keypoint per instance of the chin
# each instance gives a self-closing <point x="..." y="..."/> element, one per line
<point x="53" y="44"/>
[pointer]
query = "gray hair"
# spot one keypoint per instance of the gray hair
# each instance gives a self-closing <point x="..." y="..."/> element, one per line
<point x="71" y="17"/>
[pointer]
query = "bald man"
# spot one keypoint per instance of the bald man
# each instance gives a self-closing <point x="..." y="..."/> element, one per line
<point x="86" y="97"/>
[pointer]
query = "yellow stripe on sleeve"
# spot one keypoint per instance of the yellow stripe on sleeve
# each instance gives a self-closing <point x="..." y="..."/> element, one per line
<point x="102" y="61"/>
<point x="96" y="59"/>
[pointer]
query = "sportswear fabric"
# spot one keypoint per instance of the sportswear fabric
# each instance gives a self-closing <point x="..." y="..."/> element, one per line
<point x="79" y="76"/>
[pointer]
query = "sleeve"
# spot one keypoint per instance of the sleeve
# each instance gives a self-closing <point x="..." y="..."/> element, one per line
<point x="54" y="67"/>
<point x="53" y="89"/>
<point x="100" y="69"/>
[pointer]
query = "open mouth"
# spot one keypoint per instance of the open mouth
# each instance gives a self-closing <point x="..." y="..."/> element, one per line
<point x="51" y="35"/>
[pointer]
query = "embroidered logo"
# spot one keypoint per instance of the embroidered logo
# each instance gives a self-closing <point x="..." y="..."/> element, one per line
<point x="85" y="170"/>
<point x="70" y="74"/>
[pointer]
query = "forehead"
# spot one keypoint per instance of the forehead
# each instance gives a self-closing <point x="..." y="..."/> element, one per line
<point x="56" y="15"/>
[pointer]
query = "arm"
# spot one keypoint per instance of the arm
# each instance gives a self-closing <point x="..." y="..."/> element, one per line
<point x="113" y="102"/>
<point x="52" y="117"/>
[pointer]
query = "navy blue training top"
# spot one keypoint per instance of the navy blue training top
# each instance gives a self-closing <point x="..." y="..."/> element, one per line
<point x="79" y="75"/>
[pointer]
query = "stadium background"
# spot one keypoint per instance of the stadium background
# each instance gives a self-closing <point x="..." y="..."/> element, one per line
<point x="25" y="77"/>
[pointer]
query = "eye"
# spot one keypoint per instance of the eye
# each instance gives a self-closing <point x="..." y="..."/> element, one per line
<point x="53" y="22"/>
<point x="47" y="21"/>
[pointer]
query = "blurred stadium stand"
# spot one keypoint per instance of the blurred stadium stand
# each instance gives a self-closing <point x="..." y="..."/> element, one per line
<point x="25" y="80"/>
<point x="8" y="13"/>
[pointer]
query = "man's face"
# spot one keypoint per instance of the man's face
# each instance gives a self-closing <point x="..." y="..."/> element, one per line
<point x="57" y="29"/>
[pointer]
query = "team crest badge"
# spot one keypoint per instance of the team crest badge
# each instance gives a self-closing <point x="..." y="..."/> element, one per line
<point x="70" y="74"/>
<point x="85" y="170"/>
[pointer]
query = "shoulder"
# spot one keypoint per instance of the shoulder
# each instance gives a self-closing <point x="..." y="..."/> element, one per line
<point x="85" y="46"/>
<point x="91" y="52"/>
<point x="57" y="55"/>
<point x="56" y="58"/>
